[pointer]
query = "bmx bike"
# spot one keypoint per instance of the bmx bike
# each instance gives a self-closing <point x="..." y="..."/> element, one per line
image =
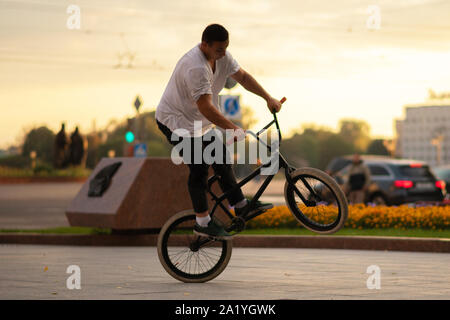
<point x="312" y="196"/>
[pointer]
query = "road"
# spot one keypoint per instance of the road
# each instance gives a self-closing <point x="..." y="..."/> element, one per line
<point x="39" y="272"/>
<point x="43" y="205"/>
<point x="35" y="205"/>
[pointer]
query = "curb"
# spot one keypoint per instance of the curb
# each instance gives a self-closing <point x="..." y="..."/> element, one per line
<point x="248" y="241"/>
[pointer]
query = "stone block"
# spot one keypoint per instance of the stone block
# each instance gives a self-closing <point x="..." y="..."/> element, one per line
<point x="143" y="194"/>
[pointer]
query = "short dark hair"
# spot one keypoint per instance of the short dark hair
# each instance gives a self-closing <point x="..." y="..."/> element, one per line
<point x="214" y="32"/>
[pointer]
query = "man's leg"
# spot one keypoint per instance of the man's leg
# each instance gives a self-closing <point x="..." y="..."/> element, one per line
<point x="352" y="197"/>
<point x="222" y="167"/>
<point x="359" y="196"/>
<point x="228" y="181"/>
<point x="197" y="183"/>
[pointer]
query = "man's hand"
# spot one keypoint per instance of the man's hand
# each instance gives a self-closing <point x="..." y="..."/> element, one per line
<point x="273" y="104"/>
<point x="238" y="135"/>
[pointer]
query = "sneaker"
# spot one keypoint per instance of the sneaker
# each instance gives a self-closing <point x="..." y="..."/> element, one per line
<point x="258" y="206"/>
<point x="213" y="230"/>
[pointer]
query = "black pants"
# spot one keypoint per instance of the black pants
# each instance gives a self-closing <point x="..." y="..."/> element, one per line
<point x="198" y="173"/>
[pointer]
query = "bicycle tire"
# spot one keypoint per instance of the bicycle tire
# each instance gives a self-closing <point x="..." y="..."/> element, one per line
<point x="323" y="181"/>
<point x="169" y="236"/>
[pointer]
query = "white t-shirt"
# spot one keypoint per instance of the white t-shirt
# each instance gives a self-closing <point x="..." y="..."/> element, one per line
<point x="192" y="78"/>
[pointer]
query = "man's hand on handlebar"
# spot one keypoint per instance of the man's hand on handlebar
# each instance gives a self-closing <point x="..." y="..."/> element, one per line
<point x="238" y="135"/>
<point x="273" y="104"/>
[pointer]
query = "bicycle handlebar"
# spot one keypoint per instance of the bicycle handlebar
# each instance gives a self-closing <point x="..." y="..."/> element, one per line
<point x="274" y="120"/>
<point x="267" y="126"/>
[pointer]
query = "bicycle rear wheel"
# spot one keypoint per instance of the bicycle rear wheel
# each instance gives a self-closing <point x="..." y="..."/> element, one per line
<point x="325" y="208"/>
<point x="188" y="257"/>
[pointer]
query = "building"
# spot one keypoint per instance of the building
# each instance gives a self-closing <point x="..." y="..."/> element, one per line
<point x="424" y="133"/>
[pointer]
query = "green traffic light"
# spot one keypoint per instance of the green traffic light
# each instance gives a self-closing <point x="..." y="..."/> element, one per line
<point x="129" y="136"/>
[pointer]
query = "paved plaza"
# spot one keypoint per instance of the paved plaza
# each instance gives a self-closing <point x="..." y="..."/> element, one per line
<point x="40" y="272"/>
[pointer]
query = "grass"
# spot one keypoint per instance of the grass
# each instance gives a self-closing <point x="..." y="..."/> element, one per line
<point x="421" y="233"/>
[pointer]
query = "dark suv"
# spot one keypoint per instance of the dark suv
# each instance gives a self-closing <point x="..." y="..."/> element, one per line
<point x="393" y="181"/>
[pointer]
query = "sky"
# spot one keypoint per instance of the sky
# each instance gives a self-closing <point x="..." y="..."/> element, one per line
<point x="331" y="59"/>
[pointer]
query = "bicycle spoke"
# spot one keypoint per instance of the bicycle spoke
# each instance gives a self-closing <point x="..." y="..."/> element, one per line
<point x="207" y="256"/>
<point x="199" y="263"/>
<point x="184" y="263"/>
<point x="204" y="263"/>
<point x="178" y="254"/>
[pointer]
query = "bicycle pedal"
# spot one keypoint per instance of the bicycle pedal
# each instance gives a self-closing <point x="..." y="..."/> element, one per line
<point x="255" y="214"/>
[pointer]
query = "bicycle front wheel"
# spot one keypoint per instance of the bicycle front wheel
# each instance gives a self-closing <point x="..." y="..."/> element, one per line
<point x="316" y="200"/>
<point x="188" y="257"/>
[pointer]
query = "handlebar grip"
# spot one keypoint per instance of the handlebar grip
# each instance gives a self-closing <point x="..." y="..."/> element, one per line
<point x="281" y="101"/>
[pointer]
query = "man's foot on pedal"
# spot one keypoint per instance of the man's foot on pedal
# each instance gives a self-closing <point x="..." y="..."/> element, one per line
<point x="213" y="230"/>
<point x="258" y="206"/>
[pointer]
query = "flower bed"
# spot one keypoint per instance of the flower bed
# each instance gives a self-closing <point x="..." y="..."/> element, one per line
<point x="366" y="217"/>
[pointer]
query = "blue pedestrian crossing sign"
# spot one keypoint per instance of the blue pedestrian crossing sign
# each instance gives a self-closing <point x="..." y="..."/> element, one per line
<point x="230" y="106"/>
<point x="140" y="150"/>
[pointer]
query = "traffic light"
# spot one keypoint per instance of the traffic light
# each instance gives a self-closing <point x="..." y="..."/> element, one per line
<point x="129" y="134"/>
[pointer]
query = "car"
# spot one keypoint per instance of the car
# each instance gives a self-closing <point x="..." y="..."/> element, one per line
<point x="443" y="173"/>
<point x="393" y="181"/>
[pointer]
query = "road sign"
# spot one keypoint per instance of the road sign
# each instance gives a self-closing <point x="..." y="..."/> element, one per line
<point x="230" y="106"/>
<point x="140" y="150"/>
<point x="137" y="102"/>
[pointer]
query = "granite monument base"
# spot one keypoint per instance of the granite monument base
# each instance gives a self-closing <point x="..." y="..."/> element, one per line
<point x="144" y="193"/>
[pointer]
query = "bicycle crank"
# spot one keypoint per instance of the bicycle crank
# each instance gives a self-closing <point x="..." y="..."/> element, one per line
<point x="237" y="225"/>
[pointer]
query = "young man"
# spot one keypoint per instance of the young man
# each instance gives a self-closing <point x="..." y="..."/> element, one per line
<point x="192" y="96"/>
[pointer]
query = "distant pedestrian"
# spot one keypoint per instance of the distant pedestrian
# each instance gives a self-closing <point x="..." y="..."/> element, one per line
<point x="358" y="180"/>
<point x="76" y="149"/>
<point x="60" y="153"/>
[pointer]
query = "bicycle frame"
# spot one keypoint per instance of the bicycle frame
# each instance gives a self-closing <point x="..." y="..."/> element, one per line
<point x="282" y="164"/>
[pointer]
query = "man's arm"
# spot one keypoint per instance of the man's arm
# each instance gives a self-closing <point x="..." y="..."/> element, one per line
<point x="249" y="83"/>
<point x="211" y="113"/>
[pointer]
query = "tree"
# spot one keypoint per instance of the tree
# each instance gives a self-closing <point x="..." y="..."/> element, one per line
<point x="377" y="147"/>
<point x="355" y="132"/>
<point x="157" y="144"/>
<point x="315" y="146"/>
<point x="301" y="149"/>
<point x="333" y="146"/>
<point x="40" y="140"/>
